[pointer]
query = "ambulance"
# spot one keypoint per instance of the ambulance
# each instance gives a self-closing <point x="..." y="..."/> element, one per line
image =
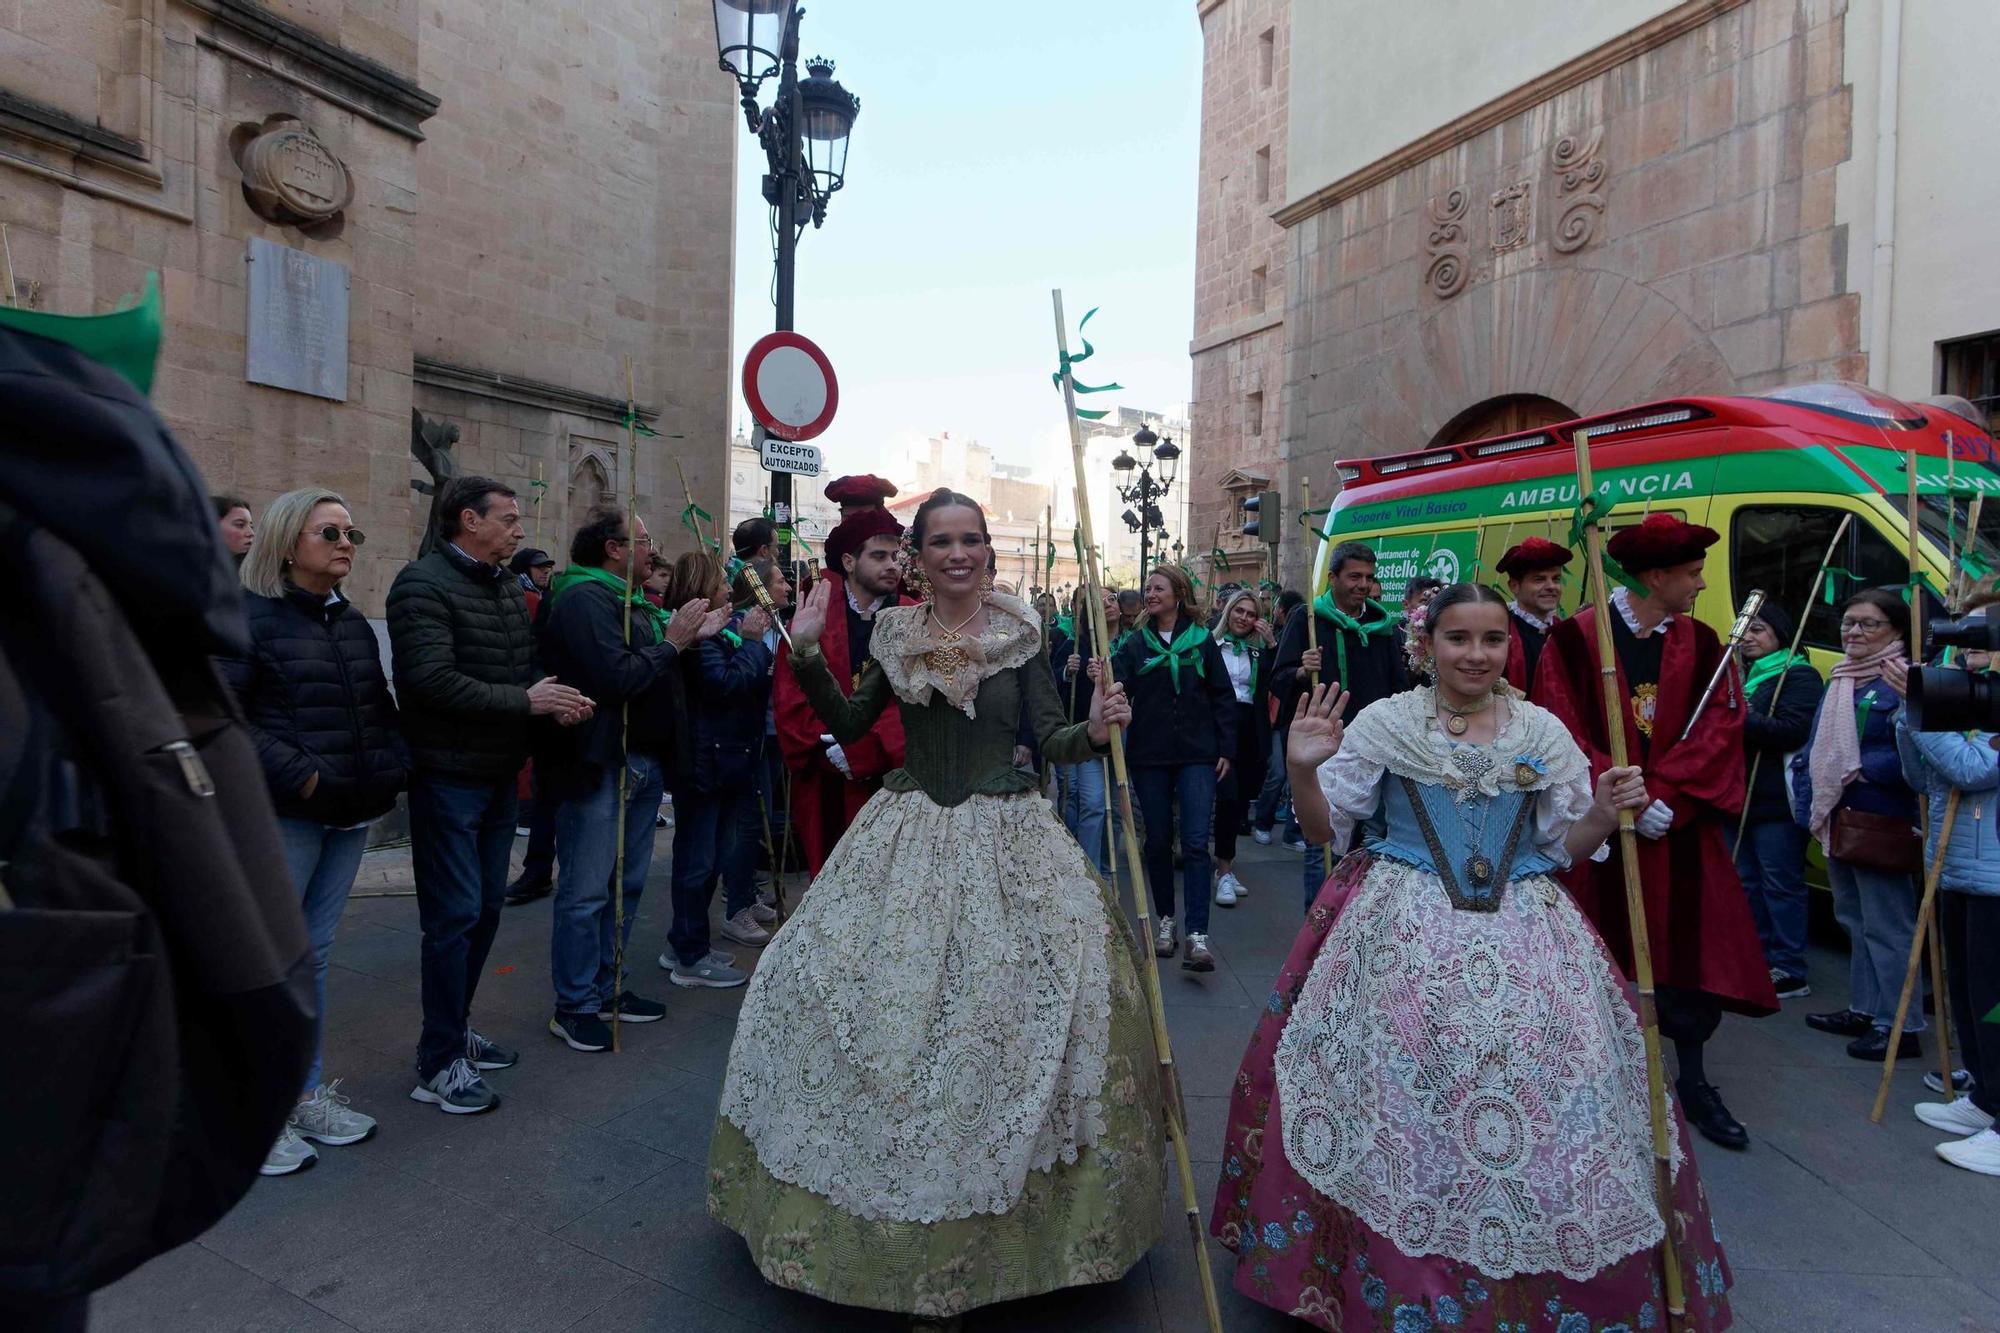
<point x="1773" y="474"/>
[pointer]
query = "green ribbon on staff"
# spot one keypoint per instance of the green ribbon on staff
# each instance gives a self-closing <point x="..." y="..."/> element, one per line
<point x="632" y="423"/>
<point x="1068" y="361"/>
<point x="689" y="513"/>
<point x="1306" y="517"/>
<point x="1591" y="512"/>
<point x="1970" y="561"/>
<point x="538" y="484"/>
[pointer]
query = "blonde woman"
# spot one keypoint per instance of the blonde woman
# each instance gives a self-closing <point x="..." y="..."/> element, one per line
<point x="319" y="709"/>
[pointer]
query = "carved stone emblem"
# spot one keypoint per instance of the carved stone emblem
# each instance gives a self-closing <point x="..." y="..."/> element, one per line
<point x="1578" y="165"/>
<point x="1513" y="212"/>
<point x="289" y="176"/>
<point x="1449" y="269"/>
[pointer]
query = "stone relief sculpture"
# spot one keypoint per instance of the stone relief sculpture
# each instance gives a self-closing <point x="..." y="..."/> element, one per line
<point x="1450" y="268"/>
<point x="431" y="443"/>
<point x="1578" y="165"/>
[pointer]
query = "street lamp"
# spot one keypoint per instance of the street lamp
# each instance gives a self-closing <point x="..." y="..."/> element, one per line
<point x="804" y="133"/>
<point x="1145" y="491"/>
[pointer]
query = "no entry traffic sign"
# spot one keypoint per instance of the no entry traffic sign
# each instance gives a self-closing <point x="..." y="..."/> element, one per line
<point x="789" y="385"/>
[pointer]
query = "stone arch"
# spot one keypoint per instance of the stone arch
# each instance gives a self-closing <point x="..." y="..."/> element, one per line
<point x="1505" y="415"/>
<point x="589" y="484"/>
<point x="1584" y="338"/>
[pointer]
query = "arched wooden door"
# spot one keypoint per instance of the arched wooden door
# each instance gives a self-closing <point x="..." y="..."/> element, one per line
<point x="1505" y="415"/>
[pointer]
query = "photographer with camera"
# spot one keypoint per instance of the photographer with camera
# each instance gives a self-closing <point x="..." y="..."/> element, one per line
<point x="1850" y="794"/>
<point x="1968" y="901"/>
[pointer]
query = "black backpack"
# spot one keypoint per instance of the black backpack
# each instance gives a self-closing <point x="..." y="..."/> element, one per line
<point x="156" y="1001"/>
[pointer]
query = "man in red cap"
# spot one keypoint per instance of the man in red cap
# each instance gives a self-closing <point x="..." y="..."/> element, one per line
<point x="1534" y="576"/>
<point x="831" y="782"/>
<point x="1706" y="957"/>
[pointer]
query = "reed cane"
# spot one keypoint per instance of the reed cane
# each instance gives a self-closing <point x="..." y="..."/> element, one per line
<point x="624" y="710"/>
<point x="1916" y="590"/>
<point x="1925" y="913"/>
<point x="1312" y="628"/>
<point x="1149" y="971"/>
<point x="1635" y="901"/>
<point x="1798" y="637"/>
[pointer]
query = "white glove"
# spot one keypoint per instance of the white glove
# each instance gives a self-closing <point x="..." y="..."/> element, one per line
<point x="837" y="757"/>
<point x="1655" y="820"/>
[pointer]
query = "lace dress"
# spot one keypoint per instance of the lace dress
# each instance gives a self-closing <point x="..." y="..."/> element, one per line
<point x="943" y="1090"/>
<point x="1441" y="1120"/>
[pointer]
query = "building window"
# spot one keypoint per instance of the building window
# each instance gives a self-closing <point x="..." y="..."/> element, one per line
<point x="1260" y="279"/>
<point x="1267" y="57"/>
<point x="1263" y="172"/>
<point x="1970" y="368"/>
<point x="1253" y="413"/>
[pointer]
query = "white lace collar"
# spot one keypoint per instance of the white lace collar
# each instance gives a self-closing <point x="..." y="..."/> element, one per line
<point x="1533" y="749"/>
<point x="905" y="634"/>
<point x="1622" y="599"/>
<point x="1531" y="618"/>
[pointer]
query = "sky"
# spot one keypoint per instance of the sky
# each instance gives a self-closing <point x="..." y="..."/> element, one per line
<point x="1000" y="151"/>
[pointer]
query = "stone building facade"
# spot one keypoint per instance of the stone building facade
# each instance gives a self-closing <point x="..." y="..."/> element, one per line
<point x="1240" y="269"/>
<point x="513" y="198"/>
<point x="1497" y="217"/>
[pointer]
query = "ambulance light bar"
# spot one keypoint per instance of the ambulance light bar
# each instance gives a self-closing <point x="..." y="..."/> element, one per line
<point x="1392" y="467"/>
<point x="1500" y="447"/>
<point x="1643" y="423"/>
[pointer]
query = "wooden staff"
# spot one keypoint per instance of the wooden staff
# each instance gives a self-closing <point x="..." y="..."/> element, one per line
<point x="1927" y="923"/>
<point x="1635" y="901"/>
<point x="1798" y="637"/>
<point x="763" y="596"/>
<point x="1150" y="967"/>
<point x="624" y="709"/>
<point x="1924" y="931"/>
<point x="687" y="498"/>
<point x="1312" y="621"/>
<point x="6" y="267"/>
<point x="540" y="488"/>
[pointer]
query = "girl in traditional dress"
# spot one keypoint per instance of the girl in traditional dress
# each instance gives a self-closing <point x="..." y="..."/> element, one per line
<point x="943" y="1091"/>
<point x="1442" y="1120"/>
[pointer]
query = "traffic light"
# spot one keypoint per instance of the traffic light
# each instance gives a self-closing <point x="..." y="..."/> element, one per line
<point x="1261" y="517"/>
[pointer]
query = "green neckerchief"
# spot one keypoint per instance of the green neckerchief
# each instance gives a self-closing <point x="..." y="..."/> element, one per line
<point x="1185" y="649"/>
<point x="641" y="608"/>
<point x="1066" y="625"/>
<point x="1243" y="646"/>
<point x="1763" y="669"/>
<point x="1382" y="623"/>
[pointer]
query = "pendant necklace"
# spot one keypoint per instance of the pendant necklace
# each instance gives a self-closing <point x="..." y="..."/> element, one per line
<point x="950" y="654"/>
<point x="1456" y="724"/>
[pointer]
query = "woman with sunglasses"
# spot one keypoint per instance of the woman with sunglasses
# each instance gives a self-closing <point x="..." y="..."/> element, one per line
<point x="319" y="709"/>
<point x="1849" y="792"/>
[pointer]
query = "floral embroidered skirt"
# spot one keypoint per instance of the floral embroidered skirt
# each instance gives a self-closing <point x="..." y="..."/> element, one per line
<point x="1300" y="1252"/>
<point x="909" y="911"/>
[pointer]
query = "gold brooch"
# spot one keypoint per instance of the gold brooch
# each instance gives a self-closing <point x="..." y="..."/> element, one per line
<point x="1525" y="774"/>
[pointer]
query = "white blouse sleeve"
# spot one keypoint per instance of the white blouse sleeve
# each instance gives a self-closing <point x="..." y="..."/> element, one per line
<point x="1559" y="805"/>
<point x="1352" y="786"/>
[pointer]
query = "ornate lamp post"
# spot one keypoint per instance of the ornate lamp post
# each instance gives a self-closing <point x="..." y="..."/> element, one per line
<point x="804" y="133"/>
<point x="1145" y="492"/>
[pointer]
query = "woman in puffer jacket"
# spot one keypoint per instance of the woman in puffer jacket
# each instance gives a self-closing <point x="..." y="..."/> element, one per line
<point x="319" y="708"/>
<point x="1968" y="907"/>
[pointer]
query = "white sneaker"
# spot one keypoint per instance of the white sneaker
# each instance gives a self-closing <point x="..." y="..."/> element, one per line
<point x="324" y="1117"/>
<point x="1225" y="891"/>
<point x="289" y="1154"/>
<point x="1262" y="836"/>
<point x="1164" y="939"/>
<point x="743" y="928"/>
<point x="1979" y="1153"/>
<point x="1242" y="889"/>
<point x="764" y="912"/>
<point x="1959" y="1117"/>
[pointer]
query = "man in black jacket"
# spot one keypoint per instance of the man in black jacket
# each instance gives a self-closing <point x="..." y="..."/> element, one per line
<point x="1771" y="856"/>
<point x="582" y="638"/>
<point x="466" y="683"/>
<point x="1359" y="645"/>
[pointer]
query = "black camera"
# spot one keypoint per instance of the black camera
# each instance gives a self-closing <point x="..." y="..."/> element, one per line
<point x="1948" y="699"/>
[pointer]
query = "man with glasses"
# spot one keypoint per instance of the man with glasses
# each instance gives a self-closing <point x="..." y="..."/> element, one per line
<point x="466" y="686"/>
<point x="1706" y="956"/>
<point x="582" y="638"/>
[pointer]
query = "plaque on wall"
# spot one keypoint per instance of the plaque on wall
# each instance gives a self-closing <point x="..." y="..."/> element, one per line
<point x="298" y="321"/>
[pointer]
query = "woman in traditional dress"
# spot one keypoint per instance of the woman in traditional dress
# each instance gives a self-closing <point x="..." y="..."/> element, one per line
<point x="943" y="1091"/>
<point x="1442" y="1117"/>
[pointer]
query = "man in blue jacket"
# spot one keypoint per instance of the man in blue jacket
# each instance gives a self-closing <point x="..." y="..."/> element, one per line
<point x="581" y="638"/>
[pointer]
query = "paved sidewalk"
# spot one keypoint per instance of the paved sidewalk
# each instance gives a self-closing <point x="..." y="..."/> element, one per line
<point x="578" y="1204"/>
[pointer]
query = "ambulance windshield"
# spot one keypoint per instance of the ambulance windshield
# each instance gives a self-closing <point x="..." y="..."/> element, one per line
<point x="1851" y="402"/>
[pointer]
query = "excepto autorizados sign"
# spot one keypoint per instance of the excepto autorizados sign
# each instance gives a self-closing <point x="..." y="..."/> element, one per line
<point x="787" y="456"/>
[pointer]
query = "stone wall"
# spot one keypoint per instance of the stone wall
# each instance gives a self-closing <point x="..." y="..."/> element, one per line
<point x="1240" y="265"/>
<point x="1665" y="226"/>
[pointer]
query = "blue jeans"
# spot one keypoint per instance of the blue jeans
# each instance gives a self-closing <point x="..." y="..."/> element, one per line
<point x="1878" y="909"/>
<point x="714" y="833"/>
<point x="460" y="836"/>
<point x="1313" y="863"/>
<point x="1080" y="804"/>
<point x="1276" y="795"/>
<point x="585" y="942"/>
<point x="1157" y="788"/>
<point x="323" y="861"/>
<point x="1771" y="861"/>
